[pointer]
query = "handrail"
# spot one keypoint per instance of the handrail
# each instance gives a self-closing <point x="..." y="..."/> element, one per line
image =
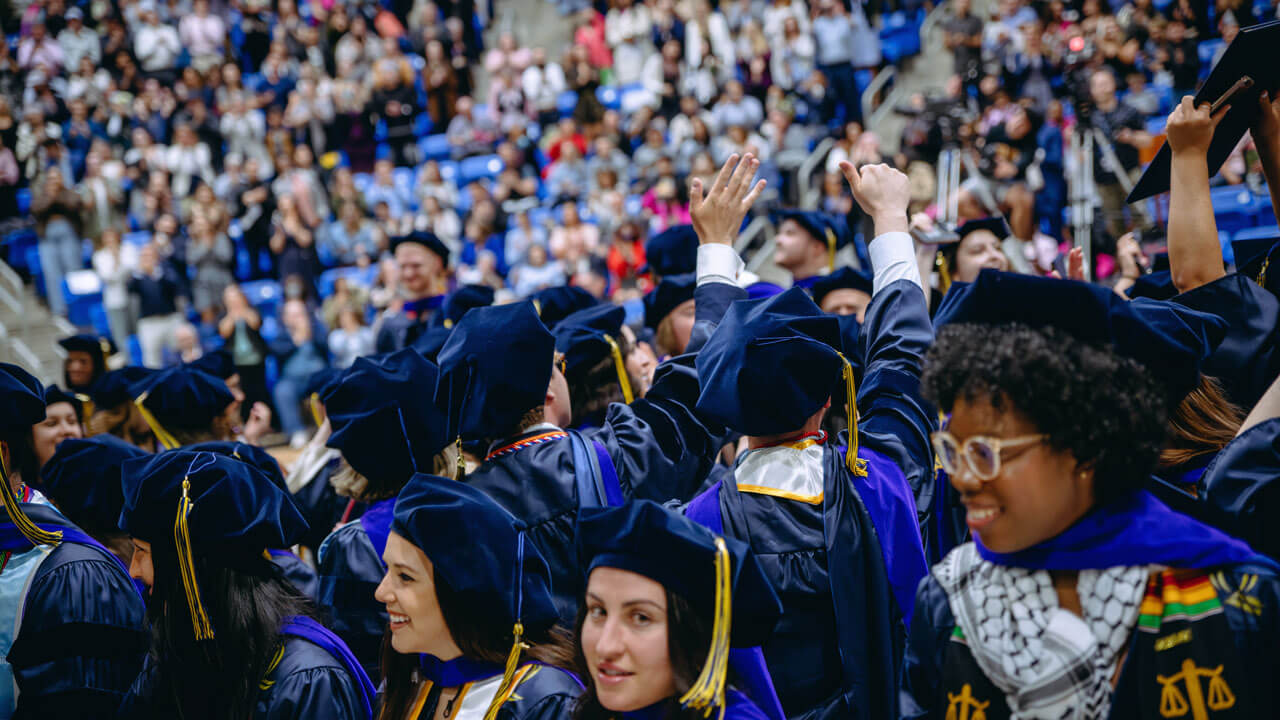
<point x="874" y="87"/>
<point x="24" y="355"/>
<point x="754" y="228"/>
<point x="9" y="275"/>
<point x="809" y="195"/>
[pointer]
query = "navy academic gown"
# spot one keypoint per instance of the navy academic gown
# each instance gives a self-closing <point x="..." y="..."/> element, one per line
<point x="299" y="574"/>
<point x="349" y="568"/>
<point x="399" y="330"/>
<point x="1237" y="630"/>
<point x="835" y="651"/>
<point x="84" y="629"/>
<point x="308" y="683"/>
<point x="539" y="692"/>
<point x="659" y="449"/>
<point x="1243" y="484"/>
<point x="1248" y="359"/>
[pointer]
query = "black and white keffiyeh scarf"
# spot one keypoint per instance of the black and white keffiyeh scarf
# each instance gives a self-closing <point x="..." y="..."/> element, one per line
<point x="1049" y="663"/>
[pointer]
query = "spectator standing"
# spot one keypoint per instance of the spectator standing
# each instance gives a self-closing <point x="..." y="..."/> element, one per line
<point x="1127" y="132"/>
<point x="57" y="210"/>
<point x="351" y="239"/>
<point x="964" y="38"/>
<point x="440" y="220"/>
<point x="573" y="240"/>
<point x="102" y="199"/>
<point x="188" y="160"/>
<point x="383" y="189"/>
<point x="203" y="35"/>
<point x="209" y="254"/>
<point x="543" y="82"/>
<point x="627" y="29"/>
<point x="77" y="41"/>
<point x="567" y="179"/>
<point x="293" y="244"/>
<point x="155" y="290"/>
<point x="843" y="39"/>
<point x="350" y="339"/>
<point x="39" y="51"/>
<point x="301" y="354"/>
<point x="470" y="133"/>
<point x="156" y="45"/>
<point x="115" y="264"/>
<point x="239" y="329"/>
<point x="522" y="237"/>
<point x="536" y="272"/>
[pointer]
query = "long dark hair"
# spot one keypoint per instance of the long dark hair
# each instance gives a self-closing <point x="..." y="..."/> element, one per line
<point x="247" y="605"/>
<point x="688" y="642"/>
<point x="22" y="457"/>
<point x="593" y="390"/>
<point x="477" y="636"/>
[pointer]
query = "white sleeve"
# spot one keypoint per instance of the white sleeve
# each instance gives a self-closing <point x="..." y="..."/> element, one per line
<point x="718" y="263"/>
<point x="893" y="257"/>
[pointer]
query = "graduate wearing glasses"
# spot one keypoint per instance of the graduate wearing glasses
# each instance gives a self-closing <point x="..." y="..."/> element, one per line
<point x="1081" y="595"/>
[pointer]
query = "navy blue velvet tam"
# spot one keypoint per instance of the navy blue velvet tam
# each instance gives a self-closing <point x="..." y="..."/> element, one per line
<point x="770" y="364"/>
<point x="843" y="278"/>
<point x="673" y="251"/>
<point x="321" y="381"/>
<point x="584" y="337"/>
<point x="830" y="230"/>
<point x="21" y="399"/>
<point x="1172" y="341"/>
<point x="556" y="303"/>
<point x="96" y="345"/>
<point x="647" y="539"/>
<point x="426" y="240"/>
<point x="54" y="394"/>
<point x="460" y="301"/>
<point x="478" y="549"/>
<point x="216" y="363"/>
<point x="995" y="225"/>
<point x="83" y="478"/>
<point x="236" y="509"/>
<point x="117" y="387"/>
<point x="494" y="368"/>
<point x="1260" y="261"/>
<point x="385" y="420"/>
<point x="244" y="452"/>
<point x="183" y="398"/>
<point x="429" y="343"/>
<point x="670" y="293"/>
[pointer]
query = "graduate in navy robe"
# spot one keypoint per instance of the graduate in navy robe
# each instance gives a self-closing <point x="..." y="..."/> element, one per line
<point x="82" y="479"/>
<point x="665" y="600"/>
<point x="387" y="427"/>
<point x="83" y="629"/>
<point x="231" y="637"/>
<point x="807" y="243"/>
<point x="86" y="361"/>
<point x="183" y="405"/>
<point x="598" y="361"/>
<point x="471" y="612"/>
<point x="114" y="412"/>
<point x="1082" y="595"/>
<point x="423" y="261"/>
<point x="833" y="521"/>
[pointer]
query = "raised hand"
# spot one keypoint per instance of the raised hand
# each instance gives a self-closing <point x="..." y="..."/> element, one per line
<point x="1266" y="129"/>
<point x="1190" y="128"/>
<point x="718" y="216"/>
<point x="882" y="192"/>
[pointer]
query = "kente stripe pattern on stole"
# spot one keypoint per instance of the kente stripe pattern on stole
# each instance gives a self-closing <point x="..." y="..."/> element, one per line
<point x="519" y="445"/>
<point x="1169" y="598"/>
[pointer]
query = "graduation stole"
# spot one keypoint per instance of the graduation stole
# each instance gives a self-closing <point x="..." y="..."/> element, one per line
<point x="475" y="698"/>
<point x="1181" y="662"/>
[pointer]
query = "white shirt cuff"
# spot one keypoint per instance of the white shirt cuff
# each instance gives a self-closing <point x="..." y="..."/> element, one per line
<point x="893" y="258"/>
<point x="718" y="263"/>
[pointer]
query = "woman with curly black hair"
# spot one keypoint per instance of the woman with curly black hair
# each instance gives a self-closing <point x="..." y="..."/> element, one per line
<point x="1081" y="595"/>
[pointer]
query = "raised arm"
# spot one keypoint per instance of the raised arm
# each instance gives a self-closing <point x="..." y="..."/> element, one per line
<point x="1195" y="257"/>
<point x="1266" y="135"/>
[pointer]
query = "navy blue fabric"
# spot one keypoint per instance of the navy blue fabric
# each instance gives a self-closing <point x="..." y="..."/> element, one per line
<point x="83" y="478"/>
<point x="236" y="508"/>
<point x="21" y="400"/>
<point x="596" y="478"/>
<point x="96" y="345"/>
<point x="216" y="363"/>
<point x="321" y="381"/>
<point x="818" y="224"/>
<point x="558" y="302"/>
<point x="494" y="368"/>
<point x="1171" y="340"/>
<point x="349" y="569"/>
<point x="994" y="225"/>
<point x="1248" y="359"/>
<point x="645" y="538"/>
<point x="1243" y="483"/>
<point x="495" y="570"/>
<point x="403" y="328"/>
<point x="670" y="293"/>
<point x="310" y="630"/>
<point x="246" y="453"/>
<point x="457" y="303"/>
<point x="384" y="417"/>
<point x="581" y="337"/>
<point x="770" y="365"/>
<point x="299" y="574"/>
<point x="184" y="398"/>
<point x="115" y="386"/>
<point x="76" y="652"/>
<point x="1154" y="286"/>
<point x="842" y="278"/>
<point x="376" y="522"/>
<point x="673" y="251"/>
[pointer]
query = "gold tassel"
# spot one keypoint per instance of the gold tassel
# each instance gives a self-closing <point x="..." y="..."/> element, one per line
<point x="168" y="441"/>
<point x="1262" y="273"/>
<point x="831" y="250"/>
<point x="856" y="465"/>
<point x="944" y="272"/>
<point x="621" y="367"/>
<point x="29" y="530"/>
<point x="314" y="404"/>
<point x="537" y="307"/>
<point x="448" y="324"/>
<point x="461" y="470"/>
<point x="186" y="566"/>
<point x="513" y="663"/>
<point x="707" y="692"/>
<point x="86" y="407"/>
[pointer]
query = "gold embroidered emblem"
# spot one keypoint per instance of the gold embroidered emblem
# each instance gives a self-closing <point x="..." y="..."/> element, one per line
<point x="1242" y="597"/>
<point x="1173" y="704"/>
<point x="1173" y="640"/>
<point x="960" y="706"/>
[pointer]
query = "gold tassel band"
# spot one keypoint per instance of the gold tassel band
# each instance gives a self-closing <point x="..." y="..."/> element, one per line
<point x="856" y="465"/>
<point x="314" y="405"/>
<point x="186" y="566"/>
<point x="944" y="272"/>
<point x="831" y="250"/>
<point x="461" y="469"/>
<point x="621" y="366"/>
<point x="29" y="530"/>
<point x="168" y="441"/>
<point x="509" y="673"/>
<point x="707" y="692"/>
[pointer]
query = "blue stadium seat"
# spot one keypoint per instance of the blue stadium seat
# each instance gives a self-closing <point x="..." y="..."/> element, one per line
<point x="265" y="295"/>
<point x="82" y="289"/>
<point x="609" y="97"/>
<point x="449" y="171"/>
<point x="435" y="147"/>
<point x="24" y="201"/>
<point x="566" y="103"/>
<point x="481" y="167"/>
<point x="361" y="276"/>
<point x="422" y="125"/>
<point x="1235" y="208"/>
<point x="135" y="348"/>
<point x="633" y="97"/>
<point x="1261" y="232"/>
<point x="402" y="178"/>
<point x="139" y="238"/>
